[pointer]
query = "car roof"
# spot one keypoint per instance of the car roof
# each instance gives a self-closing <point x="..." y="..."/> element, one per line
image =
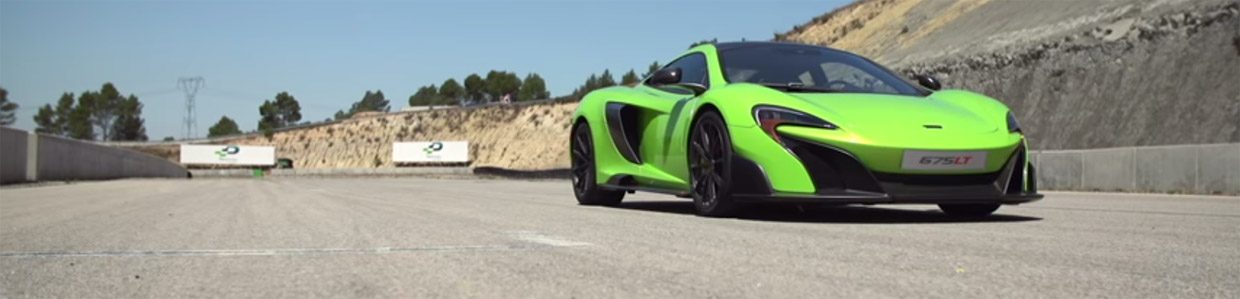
<point x="724" y="46"/>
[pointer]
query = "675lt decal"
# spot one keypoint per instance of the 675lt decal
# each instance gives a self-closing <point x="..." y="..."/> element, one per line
<point x="944" y="160"/>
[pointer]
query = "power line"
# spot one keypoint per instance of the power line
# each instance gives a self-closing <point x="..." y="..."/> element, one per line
<point x="244" y="97"/>
<point x="190" y="86"/>
<point x="156" y="92"/>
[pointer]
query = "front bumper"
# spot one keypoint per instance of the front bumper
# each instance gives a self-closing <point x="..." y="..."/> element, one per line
<point x="840" y="178"/>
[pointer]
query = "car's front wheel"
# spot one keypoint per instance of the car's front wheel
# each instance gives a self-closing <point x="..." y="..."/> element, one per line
<point x="969" y="210"/>
<point x="710" y="162"/>
<point x="584" y="170"/>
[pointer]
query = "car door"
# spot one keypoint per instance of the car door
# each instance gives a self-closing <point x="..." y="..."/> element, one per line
<point x="664" y="137"/>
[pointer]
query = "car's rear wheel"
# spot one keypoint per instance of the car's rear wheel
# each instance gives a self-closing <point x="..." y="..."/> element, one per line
<point x="710" y="162"/>
<point x="969" y="210"/>
<point x="584" y="171"/>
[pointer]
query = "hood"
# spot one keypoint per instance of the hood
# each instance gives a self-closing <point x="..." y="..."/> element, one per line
<point x="895" y="113"/>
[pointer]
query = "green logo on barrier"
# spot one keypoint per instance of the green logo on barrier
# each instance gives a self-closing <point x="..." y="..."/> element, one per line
<point x="228" y="151"/>
<point x="434" y="147"/>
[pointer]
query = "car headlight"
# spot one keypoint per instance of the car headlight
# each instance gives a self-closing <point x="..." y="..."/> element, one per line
<point x="1013" y="126"/>
<point x="769" y="117"/>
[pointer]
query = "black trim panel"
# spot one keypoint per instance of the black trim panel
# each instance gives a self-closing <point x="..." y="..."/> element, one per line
<point x="1014" y="182"/>
<point x="622" y="180"/>
<point x="625" y="182"/>
<point x="831" y="169"/>
<point x="938" y="179"/>
<point x="838" y="197"/>
<point x="749" y="177"/>
<point x="1033" y="180"/>
<point x="645" y="189"/>
<point x="622" y="126"/>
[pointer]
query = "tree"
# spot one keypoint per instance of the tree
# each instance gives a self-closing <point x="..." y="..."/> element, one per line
<point x="590" y="85"/>
<point x="169" y="138"/>
<point x="533" y="88"/>
<point x="45" y="121"/>
<point x="78" y="124"/>
<point x="339" y="115"/>
<point x="7" y="114"/>
<point x="475" y="88"/>
<point x="52" y="120"/>
<point x="704" y="42"/>
<point x="425" y="96"/>
<point x="129" y="125"/>
<point x="371" y="102"/>
<point x="450" y="92"/>
<point x="629" y="78"/>
<point x="64" y="109"/>
<point x="500" y="83"/>
<point x="281" y="112"/>
<point x="606" y="80"/>
<point x="103" y="107"/>
<point x="224" y="127"/>
<point x="654" y="67"/>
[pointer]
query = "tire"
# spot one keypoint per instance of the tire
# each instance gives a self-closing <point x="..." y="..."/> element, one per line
<point x="584" y="171"/>
<point x="710" y="167"/>
<point x="969" y="210"/>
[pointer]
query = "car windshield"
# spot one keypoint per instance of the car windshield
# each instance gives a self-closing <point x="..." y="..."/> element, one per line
<point x="810" y="69"/>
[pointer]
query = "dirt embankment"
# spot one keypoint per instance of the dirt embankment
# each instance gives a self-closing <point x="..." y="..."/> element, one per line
<point x="521" y="137"/>
<point x="1078" y="74"/>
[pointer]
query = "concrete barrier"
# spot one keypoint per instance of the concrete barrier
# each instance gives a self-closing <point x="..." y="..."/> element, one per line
<point x="1057" y="171"/>
<point x="1195" y="169"/>
<point x="50" y="158"/>
<point x="12" y="155"/>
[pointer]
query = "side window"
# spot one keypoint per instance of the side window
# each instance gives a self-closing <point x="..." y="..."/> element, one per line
<point x="693" y="69"/>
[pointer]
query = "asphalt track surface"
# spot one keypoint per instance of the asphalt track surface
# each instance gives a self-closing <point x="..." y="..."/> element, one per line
<point x="435" y="238"/>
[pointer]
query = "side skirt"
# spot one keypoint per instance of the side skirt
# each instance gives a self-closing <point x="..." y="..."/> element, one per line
<point x="625" y="182"/>
<point x="632" y="189"/>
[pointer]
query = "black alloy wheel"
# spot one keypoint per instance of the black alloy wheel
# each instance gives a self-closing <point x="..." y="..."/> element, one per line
<point x="710" y="163"/>
<point x="588" y="191"/>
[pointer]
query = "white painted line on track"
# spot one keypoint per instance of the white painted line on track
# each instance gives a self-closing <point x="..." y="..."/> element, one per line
<point x="531" y="241"/>
<point x="268" y="252"/>
<point x="544" y="239"/>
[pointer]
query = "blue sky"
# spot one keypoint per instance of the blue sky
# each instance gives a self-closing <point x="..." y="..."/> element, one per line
<point x="327" y="54"/>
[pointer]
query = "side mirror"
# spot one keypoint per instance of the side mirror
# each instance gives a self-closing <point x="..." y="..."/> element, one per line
<point x="929" y="82"/>
<point x="666" y="76"/>
<point x="671" y="77"/>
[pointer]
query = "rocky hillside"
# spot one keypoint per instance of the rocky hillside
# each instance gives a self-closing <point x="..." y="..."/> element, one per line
<point x="1079" y="74"/>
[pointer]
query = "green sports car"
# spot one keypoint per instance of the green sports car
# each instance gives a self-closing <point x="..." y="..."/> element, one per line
<point x="734" y="123"/>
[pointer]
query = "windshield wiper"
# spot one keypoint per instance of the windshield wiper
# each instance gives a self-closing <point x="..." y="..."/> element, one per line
<point x="798" y="87"/>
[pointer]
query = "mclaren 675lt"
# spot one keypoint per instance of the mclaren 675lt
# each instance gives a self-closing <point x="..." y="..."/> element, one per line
<point x="729" y="124"/>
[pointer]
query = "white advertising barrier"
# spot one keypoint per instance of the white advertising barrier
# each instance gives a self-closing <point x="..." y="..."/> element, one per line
<point x="228" y="154"/>
<point x="431" y="151"/>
